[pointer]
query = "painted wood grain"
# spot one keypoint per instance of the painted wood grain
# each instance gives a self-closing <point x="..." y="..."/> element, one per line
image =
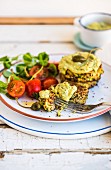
<point x="37" y="33"/>
<point x="13" y="140"/>
<point x="12" y="49"/>
<point x="56" y="161"/>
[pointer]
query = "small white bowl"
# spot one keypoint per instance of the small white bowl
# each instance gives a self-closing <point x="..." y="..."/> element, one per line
<point x="94" y="38"/>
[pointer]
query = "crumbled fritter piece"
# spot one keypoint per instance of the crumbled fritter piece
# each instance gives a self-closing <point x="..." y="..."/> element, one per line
<point x="64" y="90"/>
<point x="80" y="96"/>
<point x="48" y="102"/>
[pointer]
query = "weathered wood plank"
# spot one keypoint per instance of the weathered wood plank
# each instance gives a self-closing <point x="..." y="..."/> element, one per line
<point x="54" y="161"/>
<point x="36" y="33"/>
<point x="55" y="151"/>
<point x="16" y="48"/>
<point x="11" y="139"/>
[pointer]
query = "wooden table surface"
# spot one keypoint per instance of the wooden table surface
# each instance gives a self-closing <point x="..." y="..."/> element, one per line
<point x="22" y="151"/>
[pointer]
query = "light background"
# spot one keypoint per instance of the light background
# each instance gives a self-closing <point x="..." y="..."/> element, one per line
<point x="41" y="8"/>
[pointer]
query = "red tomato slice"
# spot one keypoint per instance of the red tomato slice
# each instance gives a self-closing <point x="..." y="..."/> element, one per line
<point x="49" y="82"/>
<point x="34" y="69"/>
<point x="41" y="75"/>
<point x="16" y="88"/>
<point x="33" y="86"/>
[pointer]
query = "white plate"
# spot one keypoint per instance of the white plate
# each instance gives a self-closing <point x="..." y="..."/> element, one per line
<point x="70" y="130"/>
<point x="100" y="93"/>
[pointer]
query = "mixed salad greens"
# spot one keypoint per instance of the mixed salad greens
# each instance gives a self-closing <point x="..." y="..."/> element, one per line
<point x="32" y="74"/>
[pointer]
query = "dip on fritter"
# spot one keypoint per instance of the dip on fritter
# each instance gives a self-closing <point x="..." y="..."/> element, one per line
<point x="81" y="67"/>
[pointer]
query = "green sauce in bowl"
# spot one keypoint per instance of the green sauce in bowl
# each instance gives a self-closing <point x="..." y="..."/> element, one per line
<point x="99" y="26"/>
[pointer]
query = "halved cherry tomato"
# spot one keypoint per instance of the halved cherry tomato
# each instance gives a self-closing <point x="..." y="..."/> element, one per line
<point x="33" y="87"/>
<point x="41" y="75"/>
<point x="48" y="82"/>
<point x="34" y="69"/>
<point x="16" y="88"/>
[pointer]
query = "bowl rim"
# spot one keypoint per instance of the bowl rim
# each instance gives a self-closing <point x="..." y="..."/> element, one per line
<point x="95" y="13"/>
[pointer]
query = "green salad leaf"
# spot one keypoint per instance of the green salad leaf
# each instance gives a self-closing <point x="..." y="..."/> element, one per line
<point x="7" y="64"/>
<point x="3" y="87"/>
<point x="28" y="61"/>
<point x="52" y="69"/>
<point x="27" y="57"/>
<point x="7" y="61"/>
<point x="6" y="73"/>
<point x="13" y="77"/>
<point x="14" y="58"/>
<point x="43" y="58"/>
<point x="3" y="59"/>
<point x="20" y="67"/>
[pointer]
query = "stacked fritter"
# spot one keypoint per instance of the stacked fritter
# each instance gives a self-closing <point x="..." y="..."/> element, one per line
<point x="82" y="69"/>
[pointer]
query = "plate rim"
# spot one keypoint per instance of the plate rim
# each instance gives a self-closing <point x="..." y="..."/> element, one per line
<point x="56" y="135"/>
<point x="55" y="119"/>
<point x="71" y="130"/>
<point x="10" y="121"/>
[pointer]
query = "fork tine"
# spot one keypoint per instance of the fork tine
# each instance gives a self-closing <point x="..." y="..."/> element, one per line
<point x="79" y="111"/>
<point x="70" y="105"/>
<point x="61" y="101"/>
<point x="58" y="100"/>
<point x="79" y="108"/>
<point x="84" y="108"/>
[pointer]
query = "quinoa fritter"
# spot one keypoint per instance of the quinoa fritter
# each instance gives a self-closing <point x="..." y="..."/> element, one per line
<point x="85" y="69"/>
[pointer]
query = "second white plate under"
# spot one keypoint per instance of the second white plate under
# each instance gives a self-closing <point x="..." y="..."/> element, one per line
<point x="66" y="130"/>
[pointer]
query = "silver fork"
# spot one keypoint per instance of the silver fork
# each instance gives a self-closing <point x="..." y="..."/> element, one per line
<point x="79" y="108"/>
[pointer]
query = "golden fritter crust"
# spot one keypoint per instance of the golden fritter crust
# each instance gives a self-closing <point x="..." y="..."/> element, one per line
<point x="91" y="76"/>
<point x="80" y="96"/>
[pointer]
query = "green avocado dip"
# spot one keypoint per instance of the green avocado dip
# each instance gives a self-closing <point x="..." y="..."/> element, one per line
<point x="99" y="26"/>
<point x="69" y="62"/>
